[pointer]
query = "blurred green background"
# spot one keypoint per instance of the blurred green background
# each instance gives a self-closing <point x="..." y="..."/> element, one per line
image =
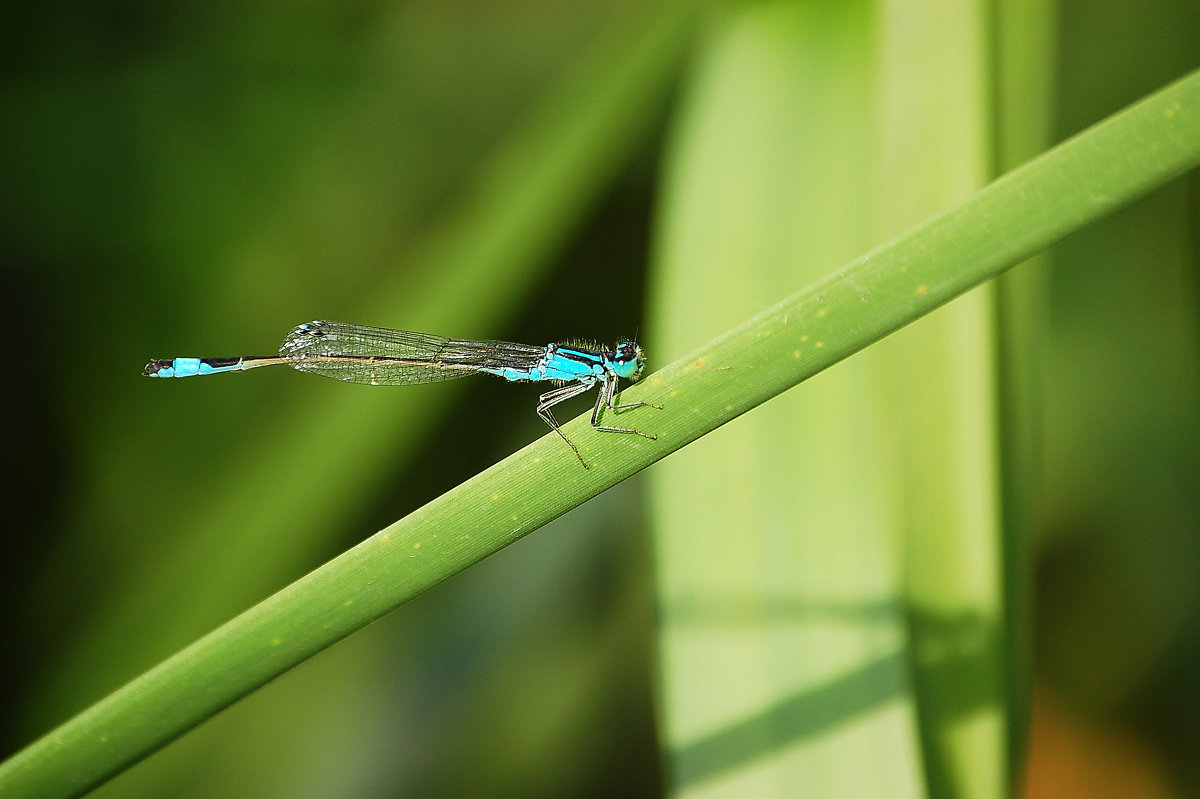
<point x="194" y="179"/>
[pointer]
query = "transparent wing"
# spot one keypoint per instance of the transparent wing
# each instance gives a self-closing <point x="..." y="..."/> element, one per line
<point x="384" y="357"/>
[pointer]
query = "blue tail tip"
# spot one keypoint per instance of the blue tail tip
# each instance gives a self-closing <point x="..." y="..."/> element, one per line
<point x="154" y="367"/>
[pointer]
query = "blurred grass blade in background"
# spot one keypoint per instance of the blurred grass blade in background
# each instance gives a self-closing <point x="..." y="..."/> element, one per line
<point x="819" y="557"/>
<point x="783" y="630"/>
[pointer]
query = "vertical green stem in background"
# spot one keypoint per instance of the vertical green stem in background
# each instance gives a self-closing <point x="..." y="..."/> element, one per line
<point x="778" y="574"/>
<point x="938" y="379"/>
<point x="862" y="512"/>
<point x="1025" y="50"/>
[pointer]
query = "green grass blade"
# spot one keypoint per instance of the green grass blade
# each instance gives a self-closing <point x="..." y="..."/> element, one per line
<point x="1074" y="184"/>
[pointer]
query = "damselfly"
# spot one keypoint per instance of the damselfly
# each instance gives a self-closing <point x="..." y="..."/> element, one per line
<point x="378" y="356"/>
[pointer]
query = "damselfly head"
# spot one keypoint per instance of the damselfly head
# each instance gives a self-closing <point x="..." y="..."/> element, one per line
<point x="629" y="360"/>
